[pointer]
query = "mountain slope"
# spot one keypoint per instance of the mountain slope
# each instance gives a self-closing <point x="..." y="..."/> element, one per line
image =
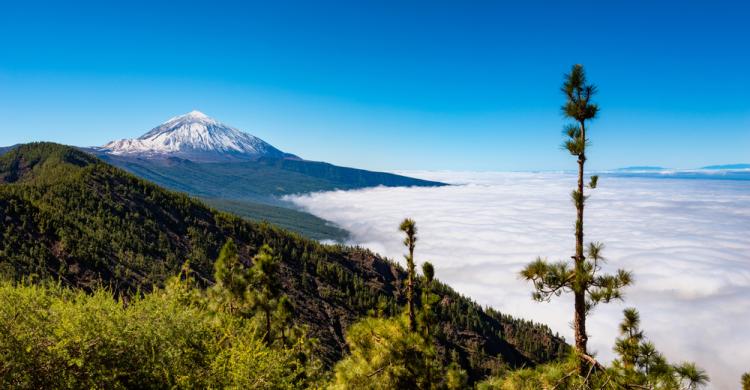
<point x="188" y="150"/>
<point x="270" y="211"/>
<point x="291" y="219"/>
<point x="263" y="180"/>
<point x="201" y="156"/>
<point x="5" y="149"/>
<point x="70" y="216"/>
<point x="252" y="189"/>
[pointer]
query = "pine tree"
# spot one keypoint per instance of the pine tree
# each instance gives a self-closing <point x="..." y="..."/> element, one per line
<point x="583" y="279"/>
<point x="640" y="365"/>
<point x="386" y="354"/>
<point x="232" y="277"/>
<point x="428" y="298"/>
<point x="409" y="227"/>
<point x="266" y="292"/>
<point x="427" y="315"/>
<point x="746" y="381"/>
<point x="628" y="346"/>
<point x="283" y="316"/>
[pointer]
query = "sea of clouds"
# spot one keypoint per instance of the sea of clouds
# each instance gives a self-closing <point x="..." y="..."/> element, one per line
<point x="687" y="242"/>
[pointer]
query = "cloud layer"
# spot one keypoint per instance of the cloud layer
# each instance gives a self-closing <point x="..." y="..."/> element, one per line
<point x="687" y="242"/>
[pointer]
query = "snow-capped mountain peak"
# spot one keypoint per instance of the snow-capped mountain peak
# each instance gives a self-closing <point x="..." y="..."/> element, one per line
<point x="196" y="114"/>
<point x="198" y="137"/>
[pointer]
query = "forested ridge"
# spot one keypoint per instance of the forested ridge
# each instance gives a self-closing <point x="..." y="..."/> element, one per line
<point x="253" y="188"/>
<point x="71" y="218"/>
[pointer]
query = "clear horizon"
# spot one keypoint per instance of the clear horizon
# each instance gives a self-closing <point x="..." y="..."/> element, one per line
<point x="386" y="87"/>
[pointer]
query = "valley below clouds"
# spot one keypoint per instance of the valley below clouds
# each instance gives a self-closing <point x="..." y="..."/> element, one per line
<point x="686" y="241"/>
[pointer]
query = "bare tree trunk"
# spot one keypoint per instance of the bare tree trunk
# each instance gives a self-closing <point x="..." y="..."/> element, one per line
<point x="580" y="328"/>
<point x="579" y="321"/>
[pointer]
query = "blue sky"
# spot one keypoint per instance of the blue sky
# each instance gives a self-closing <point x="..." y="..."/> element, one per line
<point x="388" y="84"/>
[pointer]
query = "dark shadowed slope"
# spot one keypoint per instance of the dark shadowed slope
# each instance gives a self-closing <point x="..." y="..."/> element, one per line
<point x="262" y="180"/>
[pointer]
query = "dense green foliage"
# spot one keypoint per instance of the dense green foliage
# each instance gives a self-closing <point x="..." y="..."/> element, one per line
<point x="386" y="354"/>
<point x="400" y="352"/>
<point x="55" y="337"/>
<point x="640" y="364"/>
<point x="746" y="381"/>
<point x="70" y="217"/>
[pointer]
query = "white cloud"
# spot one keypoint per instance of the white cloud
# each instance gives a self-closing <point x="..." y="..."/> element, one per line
<point x="687" y="241"/>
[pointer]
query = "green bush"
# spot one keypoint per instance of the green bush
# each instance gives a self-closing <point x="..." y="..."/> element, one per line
<point x="54" y="337"/>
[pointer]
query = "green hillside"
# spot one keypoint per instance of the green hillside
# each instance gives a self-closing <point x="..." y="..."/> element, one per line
<point x="252" y="189"/>
<point x="68" y="216"/>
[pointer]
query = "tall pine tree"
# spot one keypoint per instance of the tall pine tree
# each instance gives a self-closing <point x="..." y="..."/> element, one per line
<point x="583" y="277"/>
<point x="266" y="292"/>
<point x="409" y="227"/>
<point x="232" y="278"/>
<point x="428" y="298"/>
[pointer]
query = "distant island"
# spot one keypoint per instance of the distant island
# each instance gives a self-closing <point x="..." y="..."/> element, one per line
<point x="641" y="168"/>
<point x="728" y="166"/>
<point x="658" y="168"/>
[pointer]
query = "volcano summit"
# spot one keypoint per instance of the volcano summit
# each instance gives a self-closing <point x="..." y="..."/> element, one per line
<point x="196" y="137"/>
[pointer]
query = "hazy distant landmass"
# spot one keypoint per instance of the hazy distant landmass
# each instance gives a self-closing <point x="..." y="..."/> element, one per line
<point x="711" y="172"/>
<point x="728" y="166"/>
<point x="658" y="168"/>
<point x="5" y="149"/>
<point x="641" y="168"/>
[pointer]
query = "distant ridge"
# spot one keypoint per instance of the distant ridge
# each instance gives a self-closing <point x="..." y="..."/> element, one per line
<point x="5" y="149"/>
<point x="733" y="172"/>
<point x="641" y="168"/>
<point x="658" y="168"/>
<point x="727" y="166"/>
